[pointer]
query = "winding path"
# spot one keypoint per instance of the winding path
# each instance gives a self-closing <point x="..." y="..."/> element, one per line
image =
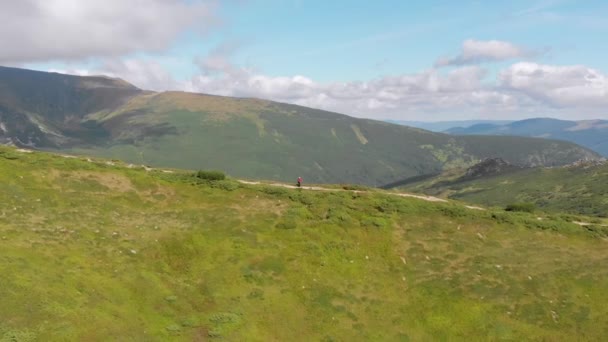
<point x="317" y="188"/>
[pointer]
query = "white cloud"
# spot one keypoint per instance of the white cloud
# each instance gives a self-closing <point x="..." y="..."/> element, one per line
<point x="146" y="74"/>
<point x="558" y="86"/>
<point x="479" y="51"/>
<point x="396" y="95"/>
<point x="520" y="90"/>
<point x="43" y="30"/>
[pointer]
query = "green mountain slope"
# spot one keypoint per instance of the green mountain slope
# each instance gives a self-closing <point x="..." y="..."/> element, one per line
<point x="590" y="133"/>
<point x="47" y="109"/>
<point x="246" y="137"/>
<point x="580" y="189"/>
<point x="99" y="251"/>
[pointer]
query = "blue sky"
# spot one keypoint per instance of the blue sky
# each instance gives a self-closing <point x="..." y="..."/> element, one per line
<point x="410" y="60"/>
<point x="346" y="40"/>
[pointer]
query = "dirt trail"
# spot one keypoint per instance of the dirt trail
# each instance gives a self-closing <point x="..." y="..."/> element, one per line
<point x="474" y="207"/>
<point x="317" y="188"/>
<point x="312" y="188"/>
<point x="585" y="224"/>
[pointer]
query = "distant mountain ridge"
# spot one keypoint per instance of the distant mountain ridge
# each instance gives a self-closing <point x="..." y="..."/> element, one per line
<point x="441" y="126"/>
<point x="248" y="138"/>
<point x="592" y="134"/>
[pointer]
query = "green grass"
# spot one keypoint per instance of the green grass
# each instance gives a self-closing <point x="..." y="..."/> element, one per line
<point x="93" y="251"/>
<point x="575" y="189"/>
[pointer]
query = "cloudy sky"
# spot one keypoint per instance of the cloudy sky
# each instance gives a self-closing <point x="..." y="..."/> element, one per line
<point x="387" y="59"/>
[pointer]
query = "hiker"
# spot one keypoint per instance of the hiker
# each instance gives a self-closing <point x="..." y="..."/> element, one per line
<point x="299" y="182"/>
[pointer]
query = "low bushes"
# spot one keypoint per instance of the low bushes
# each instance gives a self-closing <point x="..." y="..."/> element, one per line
<point x="210" y="175"/>
<point x="521" y="207"/>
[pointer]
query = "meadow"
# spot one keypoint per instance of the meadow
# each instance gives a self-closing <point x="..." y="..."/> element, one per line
<point x="99" y="250"/>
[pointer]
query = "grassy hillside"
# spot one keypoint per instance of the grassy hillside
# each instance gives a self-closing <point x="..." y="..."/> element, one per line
<point x="99" y="251"/>
<point x="258" y="139"/>
<point x="46" y="109"/>
<point x="589" y="133"/>
<point x="246" y="137"/>
<point x="581" y="188"/>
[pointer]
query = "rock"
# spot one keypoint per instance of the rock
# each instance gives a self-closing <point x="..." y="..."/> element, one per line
<point x="555" y="316"/>
<point x="587" y="163"/>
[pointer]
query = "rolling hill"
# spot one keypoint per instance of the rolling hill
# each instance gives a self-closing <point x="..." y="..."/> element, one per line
<point x="245" y="137"/>
<point x="592" y="134"/>
<point x="101" y="250"/>
<point x="580" y="188"/>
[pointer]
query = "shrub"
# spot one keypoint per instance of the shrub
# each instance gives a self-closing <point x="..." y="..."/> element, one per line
<point x="211" y="175"/>
<point x="256" y="294"/>
<point x="287" y="225"/>
<point x="273" y="190"/>
<point x="505" y="218"/>
<point x="224" y="318"/>
<point x="455" y="211"/>
<point x="355" y="187"/>
<point x="598" y="230"/>
<point x="9" y="155"/>
<point x="373" y="222"/>
<point x="174" y="328"/>
<point x="304" y="198"/>
<point x="227" y="185"/>
<point x="338" y="216"/>
<point x="522" y="207"/>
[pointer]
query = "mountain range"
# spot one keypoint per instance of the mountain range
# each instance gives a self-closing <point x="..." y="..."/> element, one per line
<point x="441" y="126"/>
<point x="247" y="138"/>
<point x="589" y="133"/>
